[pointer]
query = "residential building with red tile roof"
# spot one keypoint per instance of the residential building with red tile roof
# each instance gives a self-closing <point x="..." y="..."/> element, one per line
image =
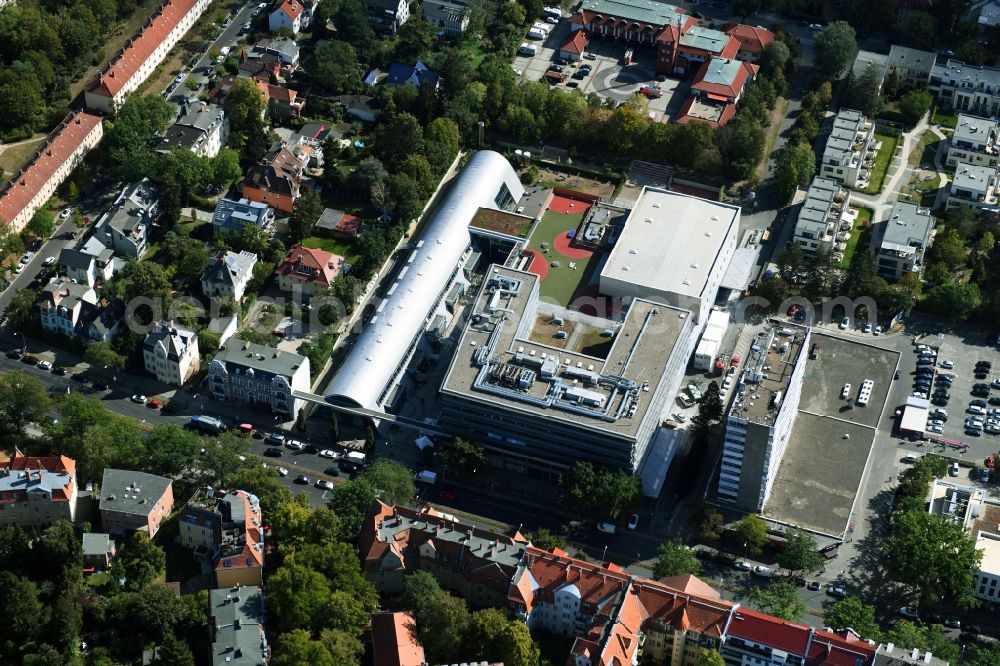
<point x="282" y="103"/>
<point x="31" y="186"/>
<point x="288" y="15"/>
<point x="616" y="618"/>
<point x="37" y="491"/>
<point x="716" y="91"/>
<point x="276" y="180"/>
<point x="752" y="39"/>
<point x="394" y="640"/>
<point x="473" y="563"/>
<point x="310" y="269"/>
<point x="142" y="54"/>
<point x="225" y="531"/>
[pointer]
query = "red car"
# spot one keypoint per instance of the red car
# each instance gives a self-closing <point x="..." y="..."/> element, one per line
<point x="651" y="91"/>
<point x="735" y="362"/>
<point x="792" y="309"/>
<point x="153" y="403"/>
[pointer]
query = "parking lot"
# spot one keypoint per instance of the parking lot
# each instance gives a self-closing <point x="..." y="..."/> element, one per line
<point x="965" y="357"/>
<point x="609" y="78"/>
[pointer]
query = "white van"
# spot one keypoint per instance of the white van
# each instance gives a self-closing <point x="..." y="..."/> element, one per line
<point x="527" y="50"/>
<point x="426" y="476"/>
<point x="534" y="33"/>
<point x="355" y="457"/>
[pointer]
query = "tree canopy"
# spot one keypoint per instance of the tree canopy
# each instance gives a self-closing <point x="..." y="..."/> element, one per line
<point x="673" y="558"/>
<point x="780" y="599"/>
<point x="601" y="491"/>
<point x="836" y="48"/>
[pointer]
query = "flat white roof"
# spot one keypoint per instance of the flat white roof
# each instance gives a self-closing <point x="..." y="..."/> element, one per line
<point x="671" y="241"/>
<point x="989" y="544"/>
<point x="914" y="419"/>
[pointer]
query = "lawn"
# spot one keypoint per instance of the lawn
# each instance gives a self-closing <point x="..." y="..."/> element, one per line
<point x="860" y="224"/>
<point x="949" y="120"/>
<point x="333" y="245"/>
<point x="562" y="281"/>
<point x="925" y="150"/>
<point x="882" y="161"/>
<point x="14" y="156"/>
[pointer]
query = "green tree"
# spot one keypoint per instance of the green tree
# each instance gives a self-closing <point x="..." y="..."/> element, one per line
<point x="863" y="92"/>
<point x="42" y="223"/>
<point x="914" y="104"/>
<point x="139" y="562"/>
<point x="918" y="30"/>
<point x="801" y="552"/>
<point x="541" y="538"/>
<point x="306" y="212"/>
<point x="393" y="483"/>
<point x="675" y="559"/>
<point x="343" y="647"/>
<point x="335" y="66"/>
<point x="774" y="58"/>
<point x="246" y="107"/>
<point x="741" y="144"/>
<point x="935" y="557"/>
<point x="794" y="166"/>
<point x="398" y="136"/>
<point x="752" y="531"/>
<point x="352" y="501"/>
<point x="836" y="48"/>
<point x="465" y="457"/>
<point x="745" y="8"/>
<point x="172" y="651"/>
<point x="442" y="619"/>
<point x="709" y="410"/>
<point x="710" y="656"/>
<point x="101" y="355"/>
<point x="26" y="611"/>
<point x="14" y="548"/>
<point x="170" y="449"/>
<point x="602" y="491"/>
<point x="955" y="301"/>
<point x="23" y="400"/>
<point x="980" y="655"/>
<point x="851" y="612"/>
<point x="908" y="635"/>
<point x="20" y="311"/>
<point x="226" y="167"/>
<point x="949" y="247"/>
<point x="780" y="599"/>
<point x="128" y="137"/>
<point x="263" y="483"/>
<point x="297" y="597"/>
<point x="297" y="647"/>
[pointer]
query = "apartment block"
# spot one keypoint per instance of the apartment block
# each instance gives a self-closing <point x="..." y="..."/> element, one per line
<point x="170" y="353"/>
<point x="912" y="67"/>
<point x="905" y="239"/>
<point x="236" y="617"/>
<point x="850" y="150"/>
<point x="975" y="187"/>
<point x="824" y="222"/>
<point x="613" y="617"/>
<point x="125" y="227"/>
<point x="965" y="88"/>
<point x="35" y="492"/>
<point x="228" y="275"/>
<point x="761" y="416"/>
<point x="134" y="501"/>
<point x="34" y="183"/>
<point x="258" y="375"/>
<point x="202" y="128"/>
<point x="225" y="531"/>
<point x="142" y="54"/>
<point x="974" y="142"/>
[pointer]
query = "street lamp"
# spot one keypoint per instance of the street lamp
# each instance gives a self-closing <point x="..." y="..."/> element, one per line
<point x="24" y="341"/>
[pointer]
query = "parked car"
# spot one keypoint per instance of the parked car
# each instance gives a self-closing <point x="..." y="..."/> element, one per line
<point x="332" y="471"/>
<point x="607" y="528"/>
<point x="762" y="571"/>
<point x="275" y="438"/>
<point x="274" y="452"/>
<point x="743" y="565"/>
<point x="814" y="585"/>
<point x="845" y="323"/>
<point x="293" y="445"/>
<point x="139" y="399"/>
<point x="327" y="453"/>
<point x="835" y="591"/>
<point x="324" y="484"/>
<point x="302" y="478"/>
<point x="59" y="371"/>
<point x="910" y="612"/>
<point x="44" y="365"/>
<point x="868" y="328"/>
<point x="282" y="471"/>
<point x="633" y="521"/>
<point x="64" y="215"/>
<point x="953" y="470"/>
<point x="651" y="91"/>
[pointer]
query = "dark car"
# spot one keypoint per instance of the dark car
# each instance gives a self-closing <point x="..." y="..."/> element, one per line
<point x="978" y="403"/>
<point x="835" y="591"/>
<point x="29" y="360"/>
<point x="942" y="395"/>
<point x="332" y="471"/>
<point x="981" y="386"/>
<point x="982" y="393"/>
<point x="925" y="361"/>
<point x="59" y="370"/>
<point x="972" y="432"/>
<point x="580" y="76"/>
<point x="939" y="401"/>
<point x="100" y="386"/>
<point x="302" y="478"/>
<point x="982" y="375"/>
<point x="952" y="622"/>
<point x="311" y="448"/>
<point x="15" y="353"/>
<point x="984" y="364"/>
<point x="274" y="452"/>
<point x="37" y="245"/>
<point x="995" y="400"/>
<point x="556" y="68"/>
<point x="561" y="61"/>
<point x="275" y="438"/>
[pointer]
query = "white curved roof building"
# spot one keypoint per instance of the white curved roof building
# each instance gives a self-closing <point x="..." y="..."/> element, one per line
<point x="487" y="181"/>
